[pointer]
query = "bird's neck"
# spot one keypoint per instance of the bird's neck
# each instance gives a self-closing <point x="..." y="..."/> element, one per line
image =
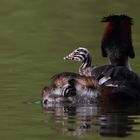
<point x="86" y="63"/>
<point x="124" y="62"/>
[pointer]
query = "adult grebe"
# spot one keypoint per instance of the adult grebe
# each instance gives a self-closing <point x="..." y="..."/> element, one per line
<point x="116" y="41"/>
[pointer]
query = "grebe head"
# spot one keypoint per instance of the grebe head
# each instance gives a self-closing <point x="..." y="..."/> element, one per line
<point x="82" y="55"/>
<point x="79" y="54"/>
<point x="59" y="95"/>
<point x="116" y="41"/>
<point x="50" y="95"/>
<point x="117" y="32"/>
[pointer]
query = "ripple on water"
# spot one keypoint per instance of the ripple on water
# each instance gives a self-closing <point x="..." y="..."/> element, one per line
<point x="87" y="119"/>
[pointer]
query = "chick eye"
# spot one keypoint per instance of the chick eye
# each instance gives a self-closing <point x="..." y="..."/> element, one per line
<point x="76" y="53"/>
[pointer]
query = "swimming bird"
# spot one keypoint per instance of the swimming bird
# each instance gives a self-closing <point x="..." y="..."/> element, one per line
<point x="54" y="93"/>
<point x="116" y="41"/>
<point x="80" y="89"/>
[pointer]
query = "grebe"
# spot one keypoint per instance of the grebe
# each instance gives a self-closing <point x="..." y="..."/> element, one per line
<point x="83" y="55"/>
<point x="67" y="86"/>
<point x="54" y="93"/>
<point x="80" y="89"/>
<point x="117" y="41"/>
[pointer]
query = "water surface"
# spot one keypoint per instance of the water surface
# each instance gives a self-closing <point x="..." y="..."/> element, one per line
<point x="35" y="35"/>
<point x="106" y="120"/>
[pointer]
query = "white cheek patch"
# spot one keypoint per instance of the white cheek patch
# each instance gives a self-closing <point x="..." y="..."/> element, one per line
<point x="77" y="58"/>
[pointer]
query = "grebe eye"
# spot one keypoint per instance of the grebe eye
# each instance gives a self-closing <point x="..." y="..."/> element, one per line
<point x="45" y="101"/>
<point x="75" y="53"/>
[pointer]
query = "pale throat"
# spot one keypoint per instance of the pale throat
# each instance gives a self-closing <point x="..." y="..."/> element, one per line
<point x="85" y="63"/>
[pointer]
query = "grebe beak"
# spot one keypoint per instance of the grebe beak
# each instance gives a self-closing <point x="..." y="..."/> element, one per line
<point x="66" y="58"/>
<point x="69" y="57"/>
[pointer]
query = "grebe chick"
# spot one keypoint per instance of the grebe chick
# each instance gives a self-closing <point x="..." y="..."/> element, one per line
<point x="52" y="95"/>
<point x="117" y="41"/>
<point x="61" y="79"/>
<point x="80" y="89"/>
<point x="83" y="55"/>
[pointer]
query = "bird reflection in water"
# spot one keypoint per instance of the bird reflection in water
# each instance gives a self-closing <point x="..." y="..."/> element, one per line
<point x="115" y="125"/>
<point x="105" y="119"/>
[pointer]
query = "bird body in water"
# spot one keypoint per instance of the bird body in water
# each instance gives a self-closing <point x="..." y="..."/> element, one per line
<point x="79" y="89"/>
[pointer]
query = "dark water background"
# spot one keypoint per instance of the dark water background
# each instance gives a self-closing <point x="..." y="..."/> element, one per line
<point x="35" y="35"/>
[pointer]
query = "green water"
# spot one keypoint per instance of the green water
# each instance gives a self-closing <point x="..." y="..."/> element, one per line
<point x="34" y="37"/>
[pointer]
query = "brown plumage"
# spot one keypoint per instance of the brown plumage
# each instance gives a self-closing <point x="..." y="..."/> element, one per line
<point x="65" y="86"/>
<point x="60" y="79"/>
